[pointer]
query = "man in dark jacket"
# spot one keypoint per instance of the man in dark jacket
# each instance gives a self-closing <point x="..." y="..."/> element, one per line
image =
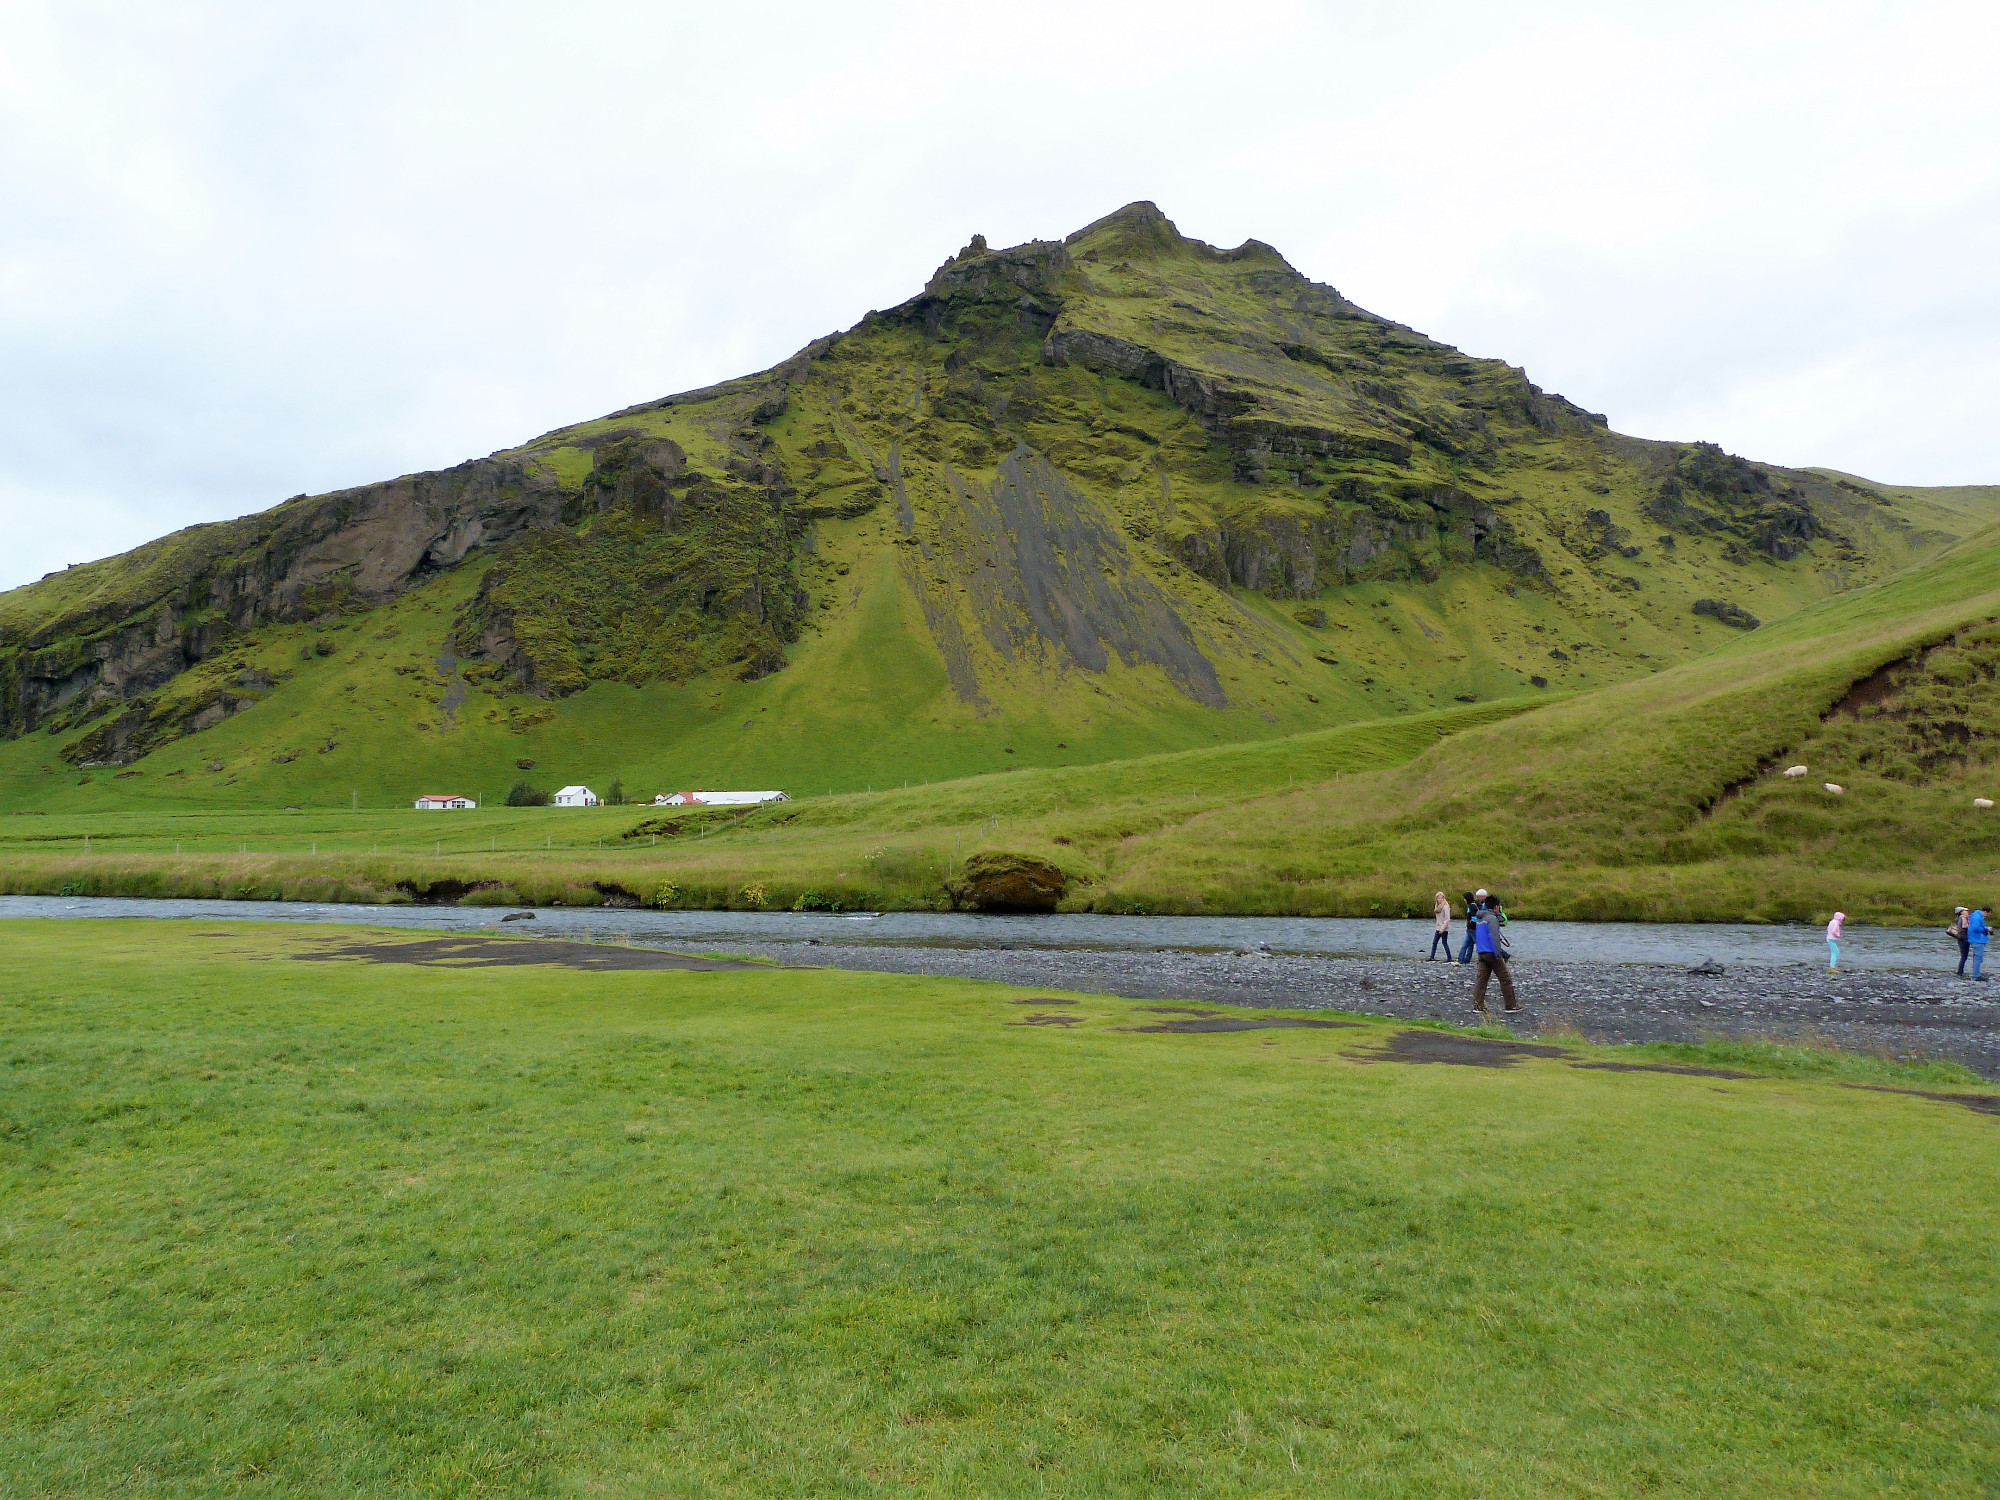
<point x="1492" y="959"/>
<point x="1472" y="900"/>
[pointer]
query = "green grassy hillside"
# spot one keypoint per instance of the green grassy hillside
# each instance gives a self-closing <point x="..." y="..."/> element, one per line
<point x="290" y="1212"/>
<point x="1074" y="503"/>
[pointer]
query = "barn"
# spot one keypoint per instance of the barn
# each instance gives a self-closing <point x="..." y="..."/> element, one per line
<point x="575" y="796"/>
<point x="717" y="799"/>
<point x="440" y="802"/>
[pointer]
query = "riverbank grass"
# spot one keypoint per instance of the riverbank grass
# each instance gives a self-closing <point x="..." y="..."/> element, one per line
<point x="279" y="1222"/>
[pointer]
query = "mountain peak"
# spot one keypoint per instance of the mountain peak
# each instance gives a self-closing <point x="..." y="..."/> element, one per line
<point x="1136" y="229"/>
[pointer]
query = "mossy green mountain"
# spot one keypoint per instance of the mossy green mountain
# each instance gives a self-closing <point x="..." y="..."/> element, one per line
<point x="1123" y="494"/>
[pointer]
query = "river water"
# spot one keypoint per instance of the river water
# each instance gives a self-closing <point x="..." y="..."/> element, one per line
<point x="1734" y="945"/>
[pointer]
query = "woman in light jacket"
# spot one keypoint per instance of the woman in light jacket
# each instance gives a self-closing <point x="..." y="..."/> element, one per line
<point x="1833" y="942"/>
<point x="1443" y="933"/>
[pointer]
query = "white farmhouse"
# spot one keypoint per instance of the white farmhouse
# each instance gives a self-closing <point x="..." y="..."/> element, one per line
<point x="439" y="802"/>
<point x="717" y="799"/>
<point x="576" y="796"/>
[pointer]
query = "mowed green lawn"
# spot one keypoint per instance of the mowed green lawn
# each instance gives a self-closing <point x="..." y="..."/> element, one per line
<point x="282" y="1227"/>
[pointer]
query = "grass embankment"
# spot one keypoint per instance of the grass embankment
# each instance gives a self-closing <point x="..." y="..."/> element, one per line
<point x="284" y="1227"/>
<point x="880" y="850"/>
<point x="1665" y="798"/>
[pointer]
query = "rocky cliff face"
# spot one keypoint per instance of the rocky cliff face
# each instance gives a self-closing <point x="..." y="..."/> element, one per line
<point x="128" y="626"/>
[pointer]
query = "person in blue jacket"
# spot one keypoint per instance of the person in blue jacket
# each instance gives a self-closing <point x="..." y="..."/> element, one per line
<point x="1977" y="933"/>
<point x="1492" y="958"/>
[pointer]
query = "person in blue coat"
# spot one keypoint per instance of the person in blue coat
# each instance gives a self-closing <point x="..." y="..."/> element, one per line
<point x="1492" y="958"/>
<point x="1977" y="933"/>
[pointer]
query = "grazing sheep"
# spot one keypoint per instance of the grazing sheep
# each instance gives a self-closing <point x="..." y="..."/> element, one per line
<point x="1982" y="801"/>
<point x="1831" y="787"/>
<point x="1795" y="771"/>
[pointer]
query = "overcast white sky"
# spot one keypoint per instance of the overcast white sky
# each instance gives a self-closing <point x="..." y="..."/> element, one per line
<point x="250" y="250"/>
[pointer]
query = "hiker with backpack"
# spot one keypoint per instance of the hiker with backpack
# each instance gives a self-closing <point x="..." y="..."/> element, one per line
<point x="1961" y="922"/>
<point x="1492" y="946"/>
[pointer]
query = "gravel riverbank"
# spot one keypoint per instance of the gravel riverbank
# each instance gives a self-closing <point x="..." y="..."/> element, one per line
<point x="1898" y="1013"/>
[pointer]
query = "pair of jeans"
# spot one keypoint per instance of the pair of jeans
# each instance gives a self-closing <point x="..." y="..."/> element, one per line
<point x="1465" y="953"/>
<point x="1964" y="952"/>
<point x="1978" y="958"/>
<point x="1441" y="936"/>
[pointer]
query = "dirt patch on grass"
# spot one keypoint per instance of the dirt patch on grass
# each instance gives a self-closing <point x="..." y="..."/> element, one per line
<point x="1459" y="1051"/>
<point x="1211" y="1025"/>
<point x="1979" y="1104"/>
<point x="1044" y="1018"/>
<point x="1686" y="1070"/>
<point x="494" y="953"/>
<point x="1045" y="1001"/>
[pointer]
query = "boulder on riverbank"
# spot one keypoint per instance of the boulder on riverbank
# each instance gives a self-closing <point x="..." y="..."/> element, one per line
<point x="1007" y="882"/>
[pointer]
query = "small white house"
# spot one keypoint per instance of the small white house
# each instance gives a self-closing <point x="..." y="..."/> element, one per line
<point x="717" y="799"/>
<point x="438" y="802"/>
<point x="576" y="796"/>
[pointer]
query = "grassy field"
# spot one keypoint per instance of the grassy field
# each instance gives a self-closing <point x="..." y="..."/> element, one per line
<point x="282" y="1227"/>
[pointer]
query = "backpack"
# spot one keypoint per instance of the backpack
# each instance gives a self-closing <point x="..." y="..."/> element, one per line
<point x="1957" y="928"/>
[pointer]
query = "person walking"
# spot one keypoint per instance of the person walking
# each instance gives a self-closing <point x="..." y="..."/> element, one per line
<point x="1960" y="921"/>
<point x="1492" y="959"/>
<point x="1472" y="900"/>
<point x="1978" y="930"/>
<point x="1443" y="933"/>
<point x="1833" y="942"/>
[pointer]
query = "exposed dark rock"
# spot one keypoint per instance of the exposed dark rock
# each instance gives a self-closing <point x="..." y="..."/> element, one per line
<point x="175" y="602"/>
<point x="1066" y="583"/>
<point x="1709" y="491"/>
<point x="1007" y="882"/>
<point x="1728" y="614"/>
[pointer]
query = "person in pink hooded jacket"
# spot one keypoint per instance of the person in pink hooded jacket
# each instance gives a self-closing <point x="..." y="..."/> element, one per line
<point x="1833" y="942"/>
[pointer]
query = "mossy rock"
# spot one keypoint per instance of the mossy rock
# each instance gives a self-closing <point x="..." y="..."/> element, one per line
<point x="1008" y="882"/>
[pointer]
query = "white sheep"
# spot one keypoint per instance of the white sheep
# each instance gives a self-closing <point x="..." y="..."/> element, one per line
<point x="1795" y="771"/>
<point x="1982" y="801"/>
<point x="1831" y="787"/>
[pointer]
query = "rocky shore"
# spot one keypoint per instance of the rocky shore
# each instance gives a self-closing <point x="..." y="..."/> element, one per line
<point x="1907" y="1015"/>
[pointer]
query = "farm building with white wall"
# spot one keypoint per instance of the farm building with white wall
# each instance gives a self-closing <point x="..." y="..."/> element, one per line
<point x="438" y="802"/>
<point x="575" y="796"/>
<point x="717" y="799"/>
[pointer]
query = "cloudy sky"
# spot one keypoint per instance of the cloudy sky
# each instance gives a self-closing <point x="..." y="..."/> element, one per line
<point x="249" y="251"/>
